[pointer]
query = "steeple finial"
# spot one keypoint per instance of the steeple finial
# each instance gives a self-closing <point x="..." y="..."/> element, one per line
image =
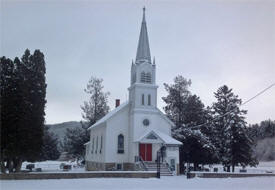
<point x="143" y="18"/>
<point x="143" y="51"/>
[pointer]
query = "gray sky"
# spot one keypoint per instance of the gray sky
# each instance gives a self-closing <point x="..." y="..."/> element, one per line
<point x="211" y="42"/>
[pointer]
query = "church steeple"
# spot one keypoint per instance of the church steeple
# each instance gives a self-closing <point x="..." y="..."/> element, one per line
<point x="143" y="51"/>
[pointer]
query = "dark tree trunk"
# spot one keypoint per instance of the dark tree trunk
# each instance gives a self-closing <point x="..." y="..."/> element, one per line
<point x="228" y="168"/>
<point x="9" y="166"/>
<point x="3" y="168"/>
<point x="17" y="164"/>
<point x="196" y="165"/>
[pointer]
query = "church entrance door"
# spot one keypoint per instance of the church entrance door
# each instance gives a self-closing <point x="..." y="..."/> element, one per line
<point x="145" y="151"/>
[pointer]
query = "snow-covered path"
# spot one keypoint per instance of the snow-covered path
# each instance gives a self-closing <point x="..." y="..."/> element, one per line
<point x="169" y="183"/>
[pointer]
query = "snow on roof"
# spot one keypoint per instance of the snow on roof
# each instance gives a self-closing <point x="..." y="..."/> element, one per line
<point x="164" y="137"/>
<point x="109" y="115"/>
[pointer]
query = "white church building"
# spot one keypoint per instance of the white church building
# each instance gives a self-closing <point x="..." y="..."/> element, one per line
<point x="129" y="137"/>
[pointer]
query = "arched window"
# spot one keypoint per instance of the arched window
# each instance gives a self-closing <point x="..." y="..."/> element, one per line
<point x="142" y="99"/>
<point x="96" y="144"/>
<point x="148" y="78"/>
<point x="120" y="144"/>
<point x="101" y="144"/>
<point x="149" y="99"/>
<point x="143" y="77"/>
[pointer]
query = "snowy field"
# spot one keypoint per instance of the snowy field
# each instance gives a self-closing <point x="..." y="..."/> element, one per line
<point x="169" y="183"/>
<point x="263" y="167"/>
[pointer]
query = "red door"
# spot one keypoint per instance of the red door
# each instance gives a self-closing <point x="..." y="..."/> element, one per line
<point x="145" y="151"/>
<point x="148" y="152"/>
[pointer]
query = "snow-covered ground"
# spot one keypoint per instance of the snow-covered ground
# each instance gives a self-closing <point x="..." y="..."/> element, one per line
<point x="54" y="166"/>
<point x="263" y="167"/>
<point x="175" y="182"/>
<point x="169" y="183"/>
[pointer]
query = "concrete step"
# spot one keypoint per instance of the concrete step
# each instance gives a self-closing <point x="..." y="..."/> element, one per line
<point x="164" y="170"/>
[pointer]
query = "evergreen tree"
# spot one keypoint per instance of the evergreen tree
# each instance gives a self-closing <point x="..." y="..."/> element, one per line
<point x="74" y="141"/>
<point x="187" y="111"/>
<point x="97" y="106"/>
<point x="8" y="112"/>
<point x="93" y="110"/>
<point x="22" y="108"/>
<point x="50" y="145"/>
<point x="230" y="130"/>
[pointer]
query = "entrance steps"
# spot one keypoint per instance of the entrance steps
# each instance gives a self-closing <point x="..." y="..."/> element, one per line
<point x="164" y="169"/>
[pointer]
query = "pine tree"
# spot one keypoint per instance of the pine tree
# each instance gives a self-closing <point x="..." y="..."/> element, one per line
<point x="187" y="111"/>
<point x="74" y="141"/>
<point x="50" y="146"/>
<point x="34" y="92"/>
<point x="22" y="108"/>
<point x="97" y="106"/>
<point x="233" y="144"/>
<point x="8" y="112"/>
<point x="93" y="110"/>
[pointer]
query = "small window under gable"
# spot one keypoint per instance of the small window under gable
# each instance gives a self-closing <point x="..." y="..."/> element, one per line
<point x="149" y="99"/>
<point x="152" y="137"/>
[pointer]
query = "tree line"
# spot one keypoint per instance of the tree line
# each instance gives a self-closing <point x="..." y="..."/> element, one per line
<point x="265" y="129"/>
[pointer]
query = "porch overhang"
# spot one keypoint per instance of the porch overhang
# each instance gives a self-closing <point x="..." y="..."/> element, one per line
<point x="156" y="137"/>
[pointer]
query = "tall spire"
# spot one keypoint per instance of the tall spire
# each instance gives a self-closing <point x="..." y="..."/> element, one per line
<point x="143" y="51"/>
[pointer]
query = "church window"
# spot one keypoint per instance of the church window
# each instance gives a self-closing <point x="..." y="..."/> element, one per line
<point x="143" y="77"/>
<point x="96" y="144"/>
<point x="149" y="99"/>
<point x="101" y="144"/>
<point x="120" y="144"/>
<point x="146" y="122"/>
<point x="93" y="145"/>
<point x="152" y="137"/>
<point x="148" y="77"/>
<point x="142" y="99"/>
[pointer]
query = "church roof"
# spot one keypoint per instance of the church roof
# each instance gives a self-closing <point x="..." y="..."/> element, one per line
<point x="162" y="136"/>
<point x="143" y="51"/>
<point x="109" y="115"/>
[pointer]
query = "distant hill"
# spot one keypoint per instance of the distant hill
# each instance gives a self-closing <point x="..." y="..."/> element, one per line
<point x="59" y="129"/>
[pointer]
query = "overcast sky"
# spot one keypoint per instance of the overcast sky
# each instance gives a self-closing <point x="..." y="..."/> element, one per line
<point x="210" y="42"/>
